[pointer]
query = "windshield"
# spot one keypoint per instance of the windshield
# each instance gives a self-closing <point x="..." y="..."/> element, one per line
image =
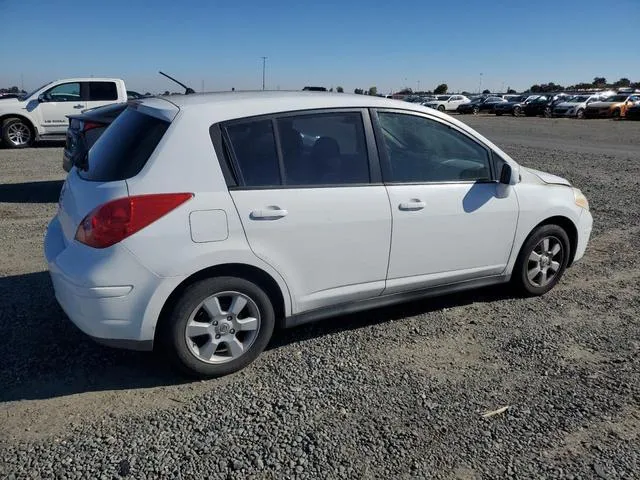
<point x="477" y="100"/>
<point x="444" y="97"/>
<point x="27" y="95"/>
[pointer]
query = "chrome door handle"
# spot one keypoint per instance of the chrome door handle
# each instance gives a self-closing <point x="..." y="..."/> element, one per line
<point x="413" y="205"/>
<point x="78" y="106"/>
<point x="269" y="213"/>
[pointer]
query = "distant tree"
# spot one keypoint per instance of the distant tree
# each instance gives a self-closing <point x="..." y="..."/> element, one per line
<point x="511" y="90"/>
<point x="440" y="89"/>
<point x="166" y="92"/>
<point x="406" y="91"/>
<point x="331" y="89"/>
<point x="623" y="82"/>
<point x="486" y="91"/>
<point x="599" y="81"/>
<point x="147" y="94"/>
<point x="339" y="89"/>
<point x="358" y="91"/>
<point x="635" y="85"/>
<point x="373" y="91"/>
<point x="14" y="90"/>
<point x="535" y="89"/>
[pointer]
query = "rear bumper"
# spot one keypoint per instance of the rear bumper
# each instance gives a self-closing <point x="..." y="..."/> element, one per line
<point x="105" y="293"/>
<point x="585" y="224"/>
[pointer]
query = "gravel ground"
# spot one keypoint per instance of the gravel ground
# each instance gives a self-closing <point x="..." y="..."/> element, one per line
<point x="397" y="392"/>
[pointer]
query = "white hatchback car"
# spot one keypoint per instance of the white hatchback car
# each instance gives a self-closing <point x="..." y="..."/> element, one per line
<point x="203" y="221"/>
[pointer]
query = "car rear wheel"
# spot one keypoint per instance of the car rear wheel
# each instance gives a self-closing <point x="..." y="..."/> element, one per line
<point x="517" y="111"/>
<point x="542" y="260"/>
<point x="218" y="326"/>
<point x="441" y="108"/>
<point x="476" y="110"/>
<point x="17" y="133"/>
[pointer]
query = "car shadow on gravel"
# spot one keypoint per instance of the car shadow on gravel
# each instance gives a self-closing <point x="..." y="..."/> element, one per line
<point x="43" y="355"/>
<point x="31" y="192"/>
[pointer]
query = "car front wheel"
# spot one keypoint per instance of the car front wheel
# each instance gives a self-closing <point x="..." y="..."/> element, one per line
<point x="542" y="260"/>
<point x="218" y="326"/>
<point x="16" y="133"/>
<point x="580" y="113"/>
<point x="441" y="108"/>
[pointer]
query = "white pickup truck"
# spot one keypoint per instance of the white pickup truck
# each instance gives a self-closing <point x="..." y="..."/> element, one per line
<point x="42" y="114"/>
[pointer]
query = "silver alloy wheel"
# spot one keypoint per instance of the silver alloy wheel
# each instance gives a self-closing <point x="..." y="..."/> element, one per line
<point x="545" y="261"/>
<point x="223" y="327"/>
<point x="19" y="134"/>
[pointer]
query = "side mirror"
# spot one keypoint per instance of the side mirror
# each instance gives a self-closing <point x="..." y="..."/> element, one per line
<point x="42" y="98"/>
<point x="505" y="174"/>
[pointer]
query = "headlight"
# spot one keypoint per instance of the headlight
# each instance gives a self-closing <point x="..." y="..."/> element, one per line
<point x="580" y="199"/>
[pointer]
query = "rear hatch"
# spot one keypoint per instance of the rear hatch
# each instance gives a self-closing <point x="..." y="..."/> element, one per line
<point x="120" y="153"/>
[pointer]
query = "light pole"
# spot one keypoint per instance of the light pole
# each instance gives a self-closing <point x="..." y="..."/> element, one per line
<point x="264" y="64"/>
<point x="480" y="85"/>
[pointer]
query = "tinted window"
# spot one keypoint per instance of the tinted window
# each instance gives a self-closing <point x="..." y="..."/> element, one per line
<point x="422" y="150"/>
<point x="125" y="147"/>
<point x="66" y="92"/>
<point x="255" y="150"/>
<point x="102" y="91"/>
<point x="324" y="149"/>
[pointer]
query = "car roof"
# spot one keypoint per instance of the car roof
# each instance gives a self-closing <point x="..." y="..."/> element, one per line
<point x="229" y="105"/>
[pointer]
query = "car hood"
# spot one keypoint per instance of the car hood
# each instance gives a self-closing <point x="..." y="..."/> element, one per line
<point x="544" y="177"/>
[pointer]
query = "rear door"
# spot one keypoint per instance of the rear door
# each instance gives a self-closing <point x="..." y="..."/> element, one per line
<point x="99" y="93"/>
<point x="119" y="154"/>
<point x="312" y="204"/>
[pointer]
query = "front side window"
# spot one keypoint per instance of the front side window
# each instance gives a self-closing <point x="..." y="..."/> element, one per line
<point x="65" y="92"/>
<point x="324" y="149"/>
<point x="421" y="150"/>
<point x="101" y="91"/>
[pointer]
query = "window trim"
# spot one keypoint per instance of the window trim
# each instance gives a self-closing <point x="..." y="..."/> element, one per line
<point x="385" y="162"/>
<point x="80" y="99"/>
<point x="375" y="172"/>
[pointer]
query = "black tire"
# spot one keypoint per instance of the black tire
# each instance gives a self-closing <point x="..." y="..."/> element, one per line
<point x="615" y="113"/>
<point x="8" y="137"/>
<point x="476" y="110"/>
<point x="547" y="112"/>
<point x="580" y="114"/>
<point x="172" y="331"/>
<point x="498" y="114"/>
<point x="520" y="278"/>
<point x="441" y="108"/>
<point x="517" y="111"/>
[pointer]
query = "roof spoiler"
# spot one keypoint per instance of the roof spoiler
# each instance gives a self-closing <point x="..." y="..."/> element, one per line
<point x="187" y="90"/>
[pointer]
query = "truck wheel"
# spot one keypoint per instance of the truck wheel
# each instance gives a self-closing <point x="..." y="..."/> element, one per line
<point x="17" y="133"/>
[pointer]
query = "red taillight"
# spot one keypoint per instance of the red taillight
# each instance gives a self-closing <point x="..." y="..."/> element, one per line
<point x="114" y="221"/>
<point x="90" y="125"/>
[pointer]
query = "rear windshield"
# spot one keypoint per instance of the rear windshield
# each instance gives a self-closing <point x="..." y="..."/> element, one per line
<point x="125" y="147"/>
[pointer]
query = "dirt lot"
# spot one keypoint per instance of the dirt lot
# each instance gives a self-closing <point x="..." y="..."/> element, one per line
<point x="393" y="392"/>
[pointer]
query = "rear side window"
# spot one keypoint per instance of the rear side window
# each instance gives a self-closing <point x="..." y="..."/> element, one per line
<point x="125" y="147"/>
<point x="254" y="146"/>
<point x="101" y="91"/>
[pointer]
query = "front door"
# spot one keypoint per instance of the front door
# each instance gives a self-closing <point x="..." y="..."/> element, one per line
<point x="309" y="206"/>
<point x="58" y="102"/>
<point x="451" y="221"/>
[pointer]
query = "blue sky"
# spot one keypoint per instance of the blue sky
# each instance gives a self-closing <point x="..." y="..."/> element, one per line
<point x="353" y="44"/>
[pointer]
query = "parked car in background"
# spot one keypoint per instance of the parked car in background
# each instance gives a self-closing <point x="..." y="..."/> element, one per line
<point x="447" y="103"/>
<point x="574" y="106"/>
<point x="131" y="95"/>
<point x="611" y="107"/>
<point x="633" y="113"/>
<point x="201" y="254"/>
<point x="513" y="106"/>
<point x="84" y="130"/>
<point x="543" y="105"/>
<point x="480" y="104"/>
<point x="42" y="114"/>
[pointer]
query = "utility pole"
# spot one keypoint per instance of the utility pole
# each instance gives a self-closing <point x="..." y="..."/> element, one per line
<point x="264" y="64"/>
<point x="22" y="82"/>
<point x="480" y="86"/>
